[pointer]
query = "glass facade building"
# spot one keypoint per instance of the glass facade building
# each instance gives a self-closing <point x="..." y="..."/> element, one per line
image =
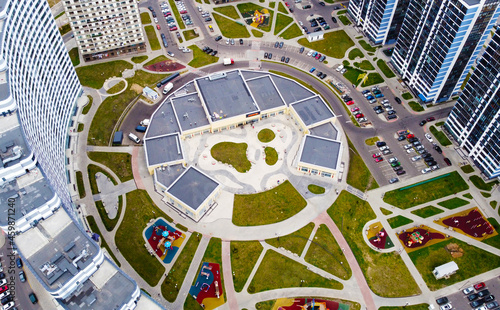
<point x="474" y="121"/>
<point x="438" y="43"/>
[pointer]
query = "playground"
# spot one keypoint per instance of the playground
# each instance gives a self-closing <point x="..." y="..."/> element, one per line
<point x="164" y="240"/>
<point x="308" y="304"/>
<point x="420" y="237"/>
<point x="471" y="222"/>
<point x="208" y="288"/>
<point x="165" y="66"/>
<point x="377" y="236"/>
<point x="258" y="18"/>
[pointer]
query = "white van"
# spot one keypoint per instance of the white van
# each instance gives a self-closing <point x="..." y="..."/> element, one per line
<point x="134" y="138"/>
<point x="167" y="88"/>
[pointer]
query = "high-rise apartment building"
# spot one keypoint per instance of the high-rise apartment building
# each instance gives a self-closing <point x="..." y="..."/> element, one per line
<point x="474" y="122"/>
<point x="438" y="43"/>
<point x="105" y="28"/>
<point x="380" y="20"/>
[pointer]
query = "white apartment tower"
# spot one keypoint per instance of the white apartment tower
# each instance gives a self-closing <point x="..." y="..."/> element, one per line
<point x="105" y="28"/>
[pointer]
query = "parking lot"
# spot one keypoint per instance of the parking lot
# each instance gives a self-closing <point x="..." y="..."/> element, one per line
<point x="460" y="301"/>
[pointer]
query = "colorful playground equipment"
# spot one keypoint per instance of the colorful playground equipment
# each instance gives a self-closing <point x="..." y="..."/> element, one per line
<point x="208" y="288"/>
<point x="163" y="240"/>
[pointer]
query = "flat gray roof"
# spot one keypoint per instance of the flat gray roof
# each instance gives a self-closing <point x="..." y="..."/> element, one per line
<point x="163" y="149"/>
<point x="54" y="247"/>
<point x="252" y="74"/>
<point x="312" y="110"/>
<point x="265" y="94"/>
<point x="12" y="144"/>
<point x="190" y="112"/>
<point x="226" y="96"/>
<point x="188" y="88"/>
<point x="163" y="120"/>
<point x="107" y="288"/>
<point x="291" y="90"/>
<point x="29" y="192"/>
<point x="320" y="152"/>
<point x="169" y="174"/>
<point x="4" y="85"/>
<point x="193" y="187"/>
<point x="325" y="130"/>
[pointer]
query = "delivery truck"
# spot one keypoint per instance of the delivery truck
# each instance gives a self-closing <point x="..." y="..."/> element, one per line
<point x="228" y="61"/>
<point x="167" y="88"/>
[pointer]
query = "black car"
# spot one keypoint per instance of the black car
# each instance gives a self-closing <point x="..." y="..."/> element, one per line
<point x="438" y="149"/>
<point x="301" y="50"/>
<point x="205" y="48"/>
<point x="317" y="29"/>
<point x="401" y="172"/>
<point x="282" y="58"/>
<point x="323" y="76"/>
<point x="489" y="298"/>
<point x="381" y="143"/>
<point x="150" y="8"/>
<point x="397" y="168"/>
<point x="426" y="155"/>
<point x="209" y="51"/>
<point x="265" y="55"/>
<point x="218" y="38"/>
<point x="334" y="19"/>
<point x="208" y="19"/>
<point x="270" y="56"/>
<point x="442" y="300"/>
<point x="446" y="160"/>
<point x="214" y="53"/>
<point x="397" y="100"/>
<point x="241" y="41"/>
<point x="347" y="98"/>
<point x="483" y="293"/>
<point x="281" y="44"/>
<point x="319" y="74"/>
<point x="401" y="138"/>
<point x="392" y="116"/>
<point x="314" y="24"/>
<point x="2" y="275"/>
<point x="423" y="122"/>
<point x="414" y="139"/>
<point x="391" y="112"/>
<point x="322" y="3"/>
<point x="375" y="108"/>
<point x="7" y="299"/>
<point x="428" y="159"/>
<point x="477" y="303"/>
<point x="431" y="163"/>
<point x="287" y="60"/>
<point x="154" y="13"/>
<point x="305" y="7"/>
<point x="276" y="44"/>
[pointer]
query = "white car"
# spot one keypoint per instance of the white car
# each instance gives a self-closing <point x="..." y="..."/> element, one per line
<point x="408" y="146"/>
<point x="446" y="307"/>
<point x="383" y="148"/>
<point x="392" y="160"/>
<point x="415" y="158"/>
<point x="410" y="151"/>
<point x="156" y="20"/>
<point x="426" y="170"/>
<point x="428" y="136"/>
<point x="3" y="282"/>
<point x="343" y="71"/>
<point x="186" y="50"/>
<point x="434" y="168"/>
<point x="301" y="23"/>
<point x="5" y="294"/>
<point x="169" y="53"/>
<point x="227" y="42"/>
<point x="310" y="53"/>
<point x="339" y="68"/>
<point x="467" y="291"/>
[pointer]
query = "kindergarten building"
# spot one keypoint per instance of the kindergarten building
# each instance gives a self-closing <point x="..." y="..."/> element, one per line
<point x="225" y="101"/>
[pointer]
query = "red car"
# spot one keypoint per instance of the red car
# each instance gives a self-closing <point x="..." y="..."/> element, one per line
<point x="360" y="115"/>
<point x="158" y="27"/>
<point x="430" y="119"/>
<point x="378" y="159"/>
<point x="5" y="287"/>
<point x="479" y="286"/>
<point x="349" y="102"/>
<point x="318" y="56"/>
<point x="173" y="28"/>
<point x="183" y="12"/>
<point x="286" y="3"/>
<point x="410" y="136"/>
<point x="376" y="155"/>
<point x="354" y="109"/>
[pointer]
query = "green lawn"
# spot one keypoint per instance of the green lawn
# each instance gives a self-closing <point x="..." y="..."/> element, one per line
<point x="432" y="190"/>
<point x="233" y="154"/>
<point x="129" y="237"/>
<point x="139" y="59"/>
<point x="364" y="65"/>
<point x="467" y="169"/>
<point x="264" y="305"/>
<point x="271" y="155"/>
<point x="294" y="242"/>
<point x="281" y="8"/>
<point x="493" y="204"/>
<point x="152" y="38"/>
<point x="373" y="78"/>
<point x="95" y="229"/>
<point x="156" y="60"/>
<point x="200" y="58"/>
<point x="366" y="46"/>
<point x="407" y="96"/>
<point x="473" y="262"/>
<point x="354" y="75"/>
<point x="145" y="18"/>
<point x="244" y="255"/>
<point x="358" y="175"/>
<point x="335" y="44"/>
<point x="278" y="271"/>
<point x="176" y="13"/>
<point x="480" y="184"/>
<point x="116" y="88"/>
<point x="351" y="214"/>
<point x="281" y="22"/>
<point x="120" y="163"/>
<point x="385" y="69"/>
<point x="415" y="106"/>
<point x="412" y="307"/>
<point x="75" y="57"/>
<point x="486" y="195"/>
<point x="81" y="127"/>
<point x="86" y="108"/>
<point x="344" y="20"/>
<point x="494" y="241"/>
<point x="213" y="254"/>
<point x="190" y="34"/>
<point x="65" y="29"/>
<point x="427" y="211"/>
<point x="256" y="33"/>
<point x="109" y="223"/>
<point x="229" y="11"/>
<point x="272" y="4"/>
<point x="266" y="135"/>
<point x="79" y="184"/>
<point x="325" y="253"/>
<point x="230" y="28"/>
<point x="95" y="75"/>
<point x="440" y="136"/>
<point x="92" y="170"/>
<point x="371" y="141"/>
<point x="398" y="221"/>
<point x="173" y="281"/>
<point x="271" y="206"/>
<point x="291" y="32"/>
<point x="356" y="52"/>
<point x="315" y="189"/>
<point x="453" y="203"/>
<point x="467" y="195"/>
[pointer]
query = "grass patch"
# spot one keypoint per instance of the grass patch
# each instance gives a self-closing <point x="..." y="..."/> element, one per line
<point x="341" y="12"/>
<point x="371" y="141"/>
<point x="266" y="135"/>
<point x="230" y="28"/>
<point x="281" y="22"/>
<point x="282" y="9"/>
<point x="200" y="58"/>
<point x="356" y="52"/>
<point x="181" y="227"/>
<point x="213" y="254"/>
<point x="145" y="18"/>
<point x="372" y="79"/>
<point x="271" y="155"/>
<point x="493" y="204"/>
<point x="344" y="20"/>
<point x="244" y="255"/>
<point x="265" y="305"/>
<point x="432" y="190"/>
<point x="152" y="38"/>
<point x="191" y="304"/>
<point x="116" y="88"/>
<point x="385" y="211"/>
<point x="120" y="163"/>
<point x="398" y="221"/>
<point x="95" y="229"/>
<point x="325" y="253"/>
<point x="80" y="185"/>
<point x="58" y="15"/>
<point x="494" y="241"/>
<point x="440" y="136"/>
<point x="75" y="57"/>
<point x="129" y="238"/>
<point x="351" y="214"/>
<point x="364" y="65"/>
<point x="233" y="154"/>
<point x="190" y="34"/>
<point x="353" y="75"/>
<point x="468" y="196"/>
<point x="65" y="29"/>
<point x="173" y="281"/>
<point x="486" y="195"/>
<point x="229" y="11"/>
<point x="439" y="124"/>
<point x="407" y="96"/>
<point x="466" y="80"/>
<point x="415" y="106"/>
<point x="87" y="107"/>
<point x="412" y="307"/>
<point x="81" y="127"/>
<point x="467" y="169"/>
<point x="473" y="262"/>
<point x="139" y="59"/>
<point x="385" y="69"/>
<point x="109" y="223"/>
<point x="278" y="271"/>
<point x="335" y="44"/>
<point x="292" y="32"/>
<point x="294" y="242"/>
<point x="366" y="46"/>
<point x="427" y="211"/>
<point x="272" y="4"/>
<point x="453" y="203"/>
<point x="359" y="175"/>
<point x="156" y="60"/>
<point x="175" y="11"/>
<point x="272" y="206"/>
<point x="257" y="33"/>
<point x="95" y="75"/>
<point x="92" y="170"/>
<point x="480" y="184"/>
<point x="316" y="189"/>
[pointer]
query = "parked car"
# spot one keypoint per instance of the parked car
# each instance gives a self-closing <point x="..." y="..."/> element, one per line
<point x="370" y="97"/>
<point x="312" y="70"/>
<point x="426" y="170"/>
<point x="446" y="307"/>
<point x="428" y="137"/>
<point x="334" y="19"/>
<point x="395" y="164"/>
<point x="438" y="149"/>
<point x="423" y="122"/>
<point x="400" y="172"/>
<point x="381" y="143"/>
<point x="218" y="38"/>
<point x="378" y="159"/>
<point x="483" y="293"/>
<point x="468" y="290"/>
<point x="349" y="102"/>
<point x="22" y="276"/>
<point x="430" y="119"/>
<point x="415" y="158"/>
<point x="397" y="100"/>
<point x="393" y="180"/>
<point x="376" y="155"/>
<point x="492" y="305"/>
<point x="19" y="263"/>
<point x="448" y="162"/>
<point x="383" y="148"/>
<point x="393" y="116"/>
